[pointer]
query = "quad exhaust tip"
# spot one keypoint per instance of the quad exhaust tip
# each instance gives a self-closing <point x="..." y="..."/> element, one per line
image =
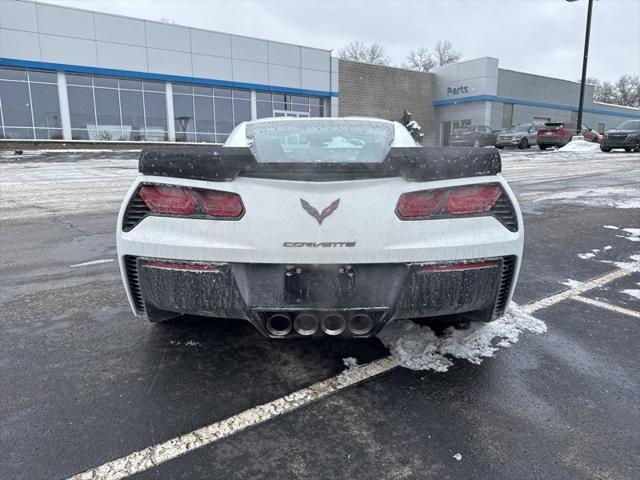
<point x="278" y="324"/>
<point x="333" y="324"/>
<point x="306" y="324"/>
<point x="360" y="324"/>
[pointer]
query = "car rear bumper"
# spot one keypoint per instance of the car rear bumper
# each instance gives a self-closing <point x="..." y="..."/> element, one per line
<point x="161" y="289"/>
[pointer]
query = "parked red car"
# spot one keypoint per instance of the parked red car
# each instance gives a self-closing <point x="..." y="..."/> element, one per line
<point x="558" y="134"/>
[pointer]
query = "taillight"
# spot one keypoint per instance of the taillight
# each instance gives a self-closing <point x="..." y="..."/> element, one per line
<point x="447" y="202"/>
<point x="220" y="204"/>
<point x="474" y="199"/>
<point x="175" y="200"/>
<point x="420" y="204"/>
<point x="166" y="199"/>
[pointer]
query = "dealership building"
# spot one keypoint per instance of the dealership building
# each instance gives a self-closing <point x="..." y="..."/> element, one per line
<point x="72" y="74"/>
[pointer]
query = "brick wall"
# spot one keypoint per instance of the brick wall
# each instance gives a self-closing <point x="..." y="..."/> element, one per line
<point x="386" y="92"/>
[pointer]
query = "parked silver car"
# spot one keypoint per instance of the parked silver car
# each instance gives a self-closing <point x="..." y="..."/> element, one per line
<point x="521" y="136"/>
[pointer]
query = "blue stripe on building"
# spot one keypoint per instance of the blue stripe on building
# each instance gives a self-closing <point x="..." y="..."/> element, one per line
<point x="61" y="67"/>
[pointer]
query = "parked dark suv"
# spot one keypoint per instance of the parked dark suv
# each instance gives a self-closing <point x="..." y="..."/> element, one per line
<point x="472" y="136"/>
<point x="626" y="135"/>
<point x="558" y="134"/>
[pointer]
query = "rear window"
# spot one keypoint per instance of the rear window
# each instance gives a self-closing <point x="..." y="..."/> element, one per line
<point x="463" y="129"/>
<point x="629" y="125"/>
<point x="571" y="125"/>
<point x="320" y="141"/>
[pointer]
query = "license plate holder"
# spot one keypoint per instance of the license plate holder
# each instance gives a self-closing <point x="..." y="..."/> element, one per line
<point x="334" y="284"/>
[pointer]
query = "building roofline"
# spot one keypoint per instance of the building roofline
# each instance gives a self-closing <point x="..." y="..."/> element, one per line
<point x="38" y="2"/>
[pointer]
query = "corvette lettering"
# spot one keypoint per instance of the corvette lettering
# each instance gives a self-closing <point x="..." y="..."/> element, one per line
<point x="319" y="244"/>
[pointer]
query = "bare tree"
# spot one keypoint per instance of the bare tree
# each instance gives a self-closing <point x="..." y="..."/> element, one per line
<point x="420" y="59"/>
<point x="626" y="91"/>
<point x="424" y="60"/>
<point x="358" y="51"/>
<point x="445" y="54"/>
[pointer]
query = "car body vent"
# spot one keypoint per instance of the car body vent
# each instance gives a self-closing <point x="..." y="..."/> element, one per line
<point x="508" y="268"/>
<point x="131" y="266"/>
<point x="505" y="213"/>
<point x="135" y="212"/>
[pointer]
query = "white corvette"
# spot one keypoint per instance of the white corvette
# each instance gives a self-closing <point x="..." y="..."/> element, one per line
<point x="327" y="226"/>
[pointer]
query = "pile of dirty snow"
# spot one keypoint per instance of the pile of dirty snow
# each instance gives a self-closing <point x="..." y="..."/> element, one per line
<point x="419" y="348"/>
<point x="580" y="145"/>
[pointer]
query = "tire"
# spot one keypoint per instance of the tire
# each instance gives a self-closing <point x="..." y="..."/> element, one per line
<point x="628" y="149"/>
<point x="499" y="147"/>
<point x="524" y="143"/>
<point x="595" y="140"/>
<point x="476" y="143"/>
<point x="605" y="149"/>
<point x="543" y="147"/>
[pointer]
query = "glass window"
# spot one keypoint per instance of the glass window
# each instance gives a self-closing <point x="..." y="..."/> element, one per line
<point x="244" y="94"/>
<point x="315" y="111"/>
<point x="183" y="117"/>
<point x="264" y="109"/>
<point x="204" y="114"/>
<point x="205" y="137"/>
<point x="130" y="84"/>
<point x="263" y="97"/>
<point x="26" y="133"/>
<point x="107" y="106"/>
<point x="132" y="114"/>
<point x="13" y="74"/>
<point x="40" y="76"/>
<point x="110" y="82"/>
<point x="299" y="108"/>
<point x="48" y="133"/>
<point x="78" y="134"/>
<point x="16" y="106"/>
<point x="151" y="86"/>
<point x="315" y="101"/>
<point x="155" y="110"/>
<point x="182" y="88"/>
<point x="342" y="141"/>
<point x="81" y="107"/>
<point x="222" y="92"/>
<point x="241" y="111"/>
<point x="73" y="79"/>
<point x="224" y="115"/>
<point x="46" y="109"/>
<point x="200" y="90"/>
<point x="298" y="99"/>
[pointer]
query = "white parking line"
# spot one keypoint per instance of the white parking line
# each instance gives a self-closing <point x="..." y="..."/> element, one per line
<point x="577" y="290"/>
<point x="163" y="452"/>
<point x="608" y="306"/>
<point x="151" y="456"/>
<point x="92" y="262"/>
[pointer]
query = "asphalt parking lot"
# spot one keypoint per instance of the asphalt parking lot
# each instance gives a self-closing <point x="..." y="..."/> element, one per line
<point x="84" y="384"/>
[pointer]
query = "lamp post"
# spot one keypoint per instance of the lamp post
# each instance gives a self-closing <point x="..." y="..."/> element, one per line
<point x="584" y="66"/>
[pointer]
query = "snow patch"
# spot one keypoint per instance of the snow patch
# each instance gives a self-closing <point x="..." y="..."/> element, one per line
<point x="608" y="247"/>
<point x="572" y="283"/>
<point x="419" y="348"/>
<point x="615" y="197"/>
<point x="634" y="234"/>
<point x="611" y="227"/>
<point x="632" y="266"/>
<point x="350" y="362"/>
<point x="580" y="145"/>
<point x="188" y="343"/>
<point x="92" y="262"/>
<point x="587" y="255"/>
<point x="458" y="456"/>
<point x="632" y="293"/>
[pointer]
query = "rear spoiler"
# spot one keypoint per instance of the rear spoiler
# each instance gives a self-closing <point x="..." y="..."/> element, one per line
<point x="219" y="164"/>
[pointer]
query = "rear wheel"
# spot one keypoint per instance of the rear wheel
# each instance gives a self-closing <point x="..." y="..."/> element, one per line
<point x="543" y="147"/>
<point x="628" y="149"/>
<point x="605" y="149"/>
<point x="500" y="146"/>
<point x="524" y="143"/>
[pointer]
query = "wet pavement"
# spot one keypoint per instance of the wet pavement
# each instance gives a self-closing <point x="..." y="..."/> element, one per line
<point x="84" y="382"/>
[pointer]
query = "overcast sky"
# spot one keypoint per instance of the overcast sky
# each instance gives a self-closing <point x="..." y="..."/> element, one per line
<point x="537" y="36"/>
